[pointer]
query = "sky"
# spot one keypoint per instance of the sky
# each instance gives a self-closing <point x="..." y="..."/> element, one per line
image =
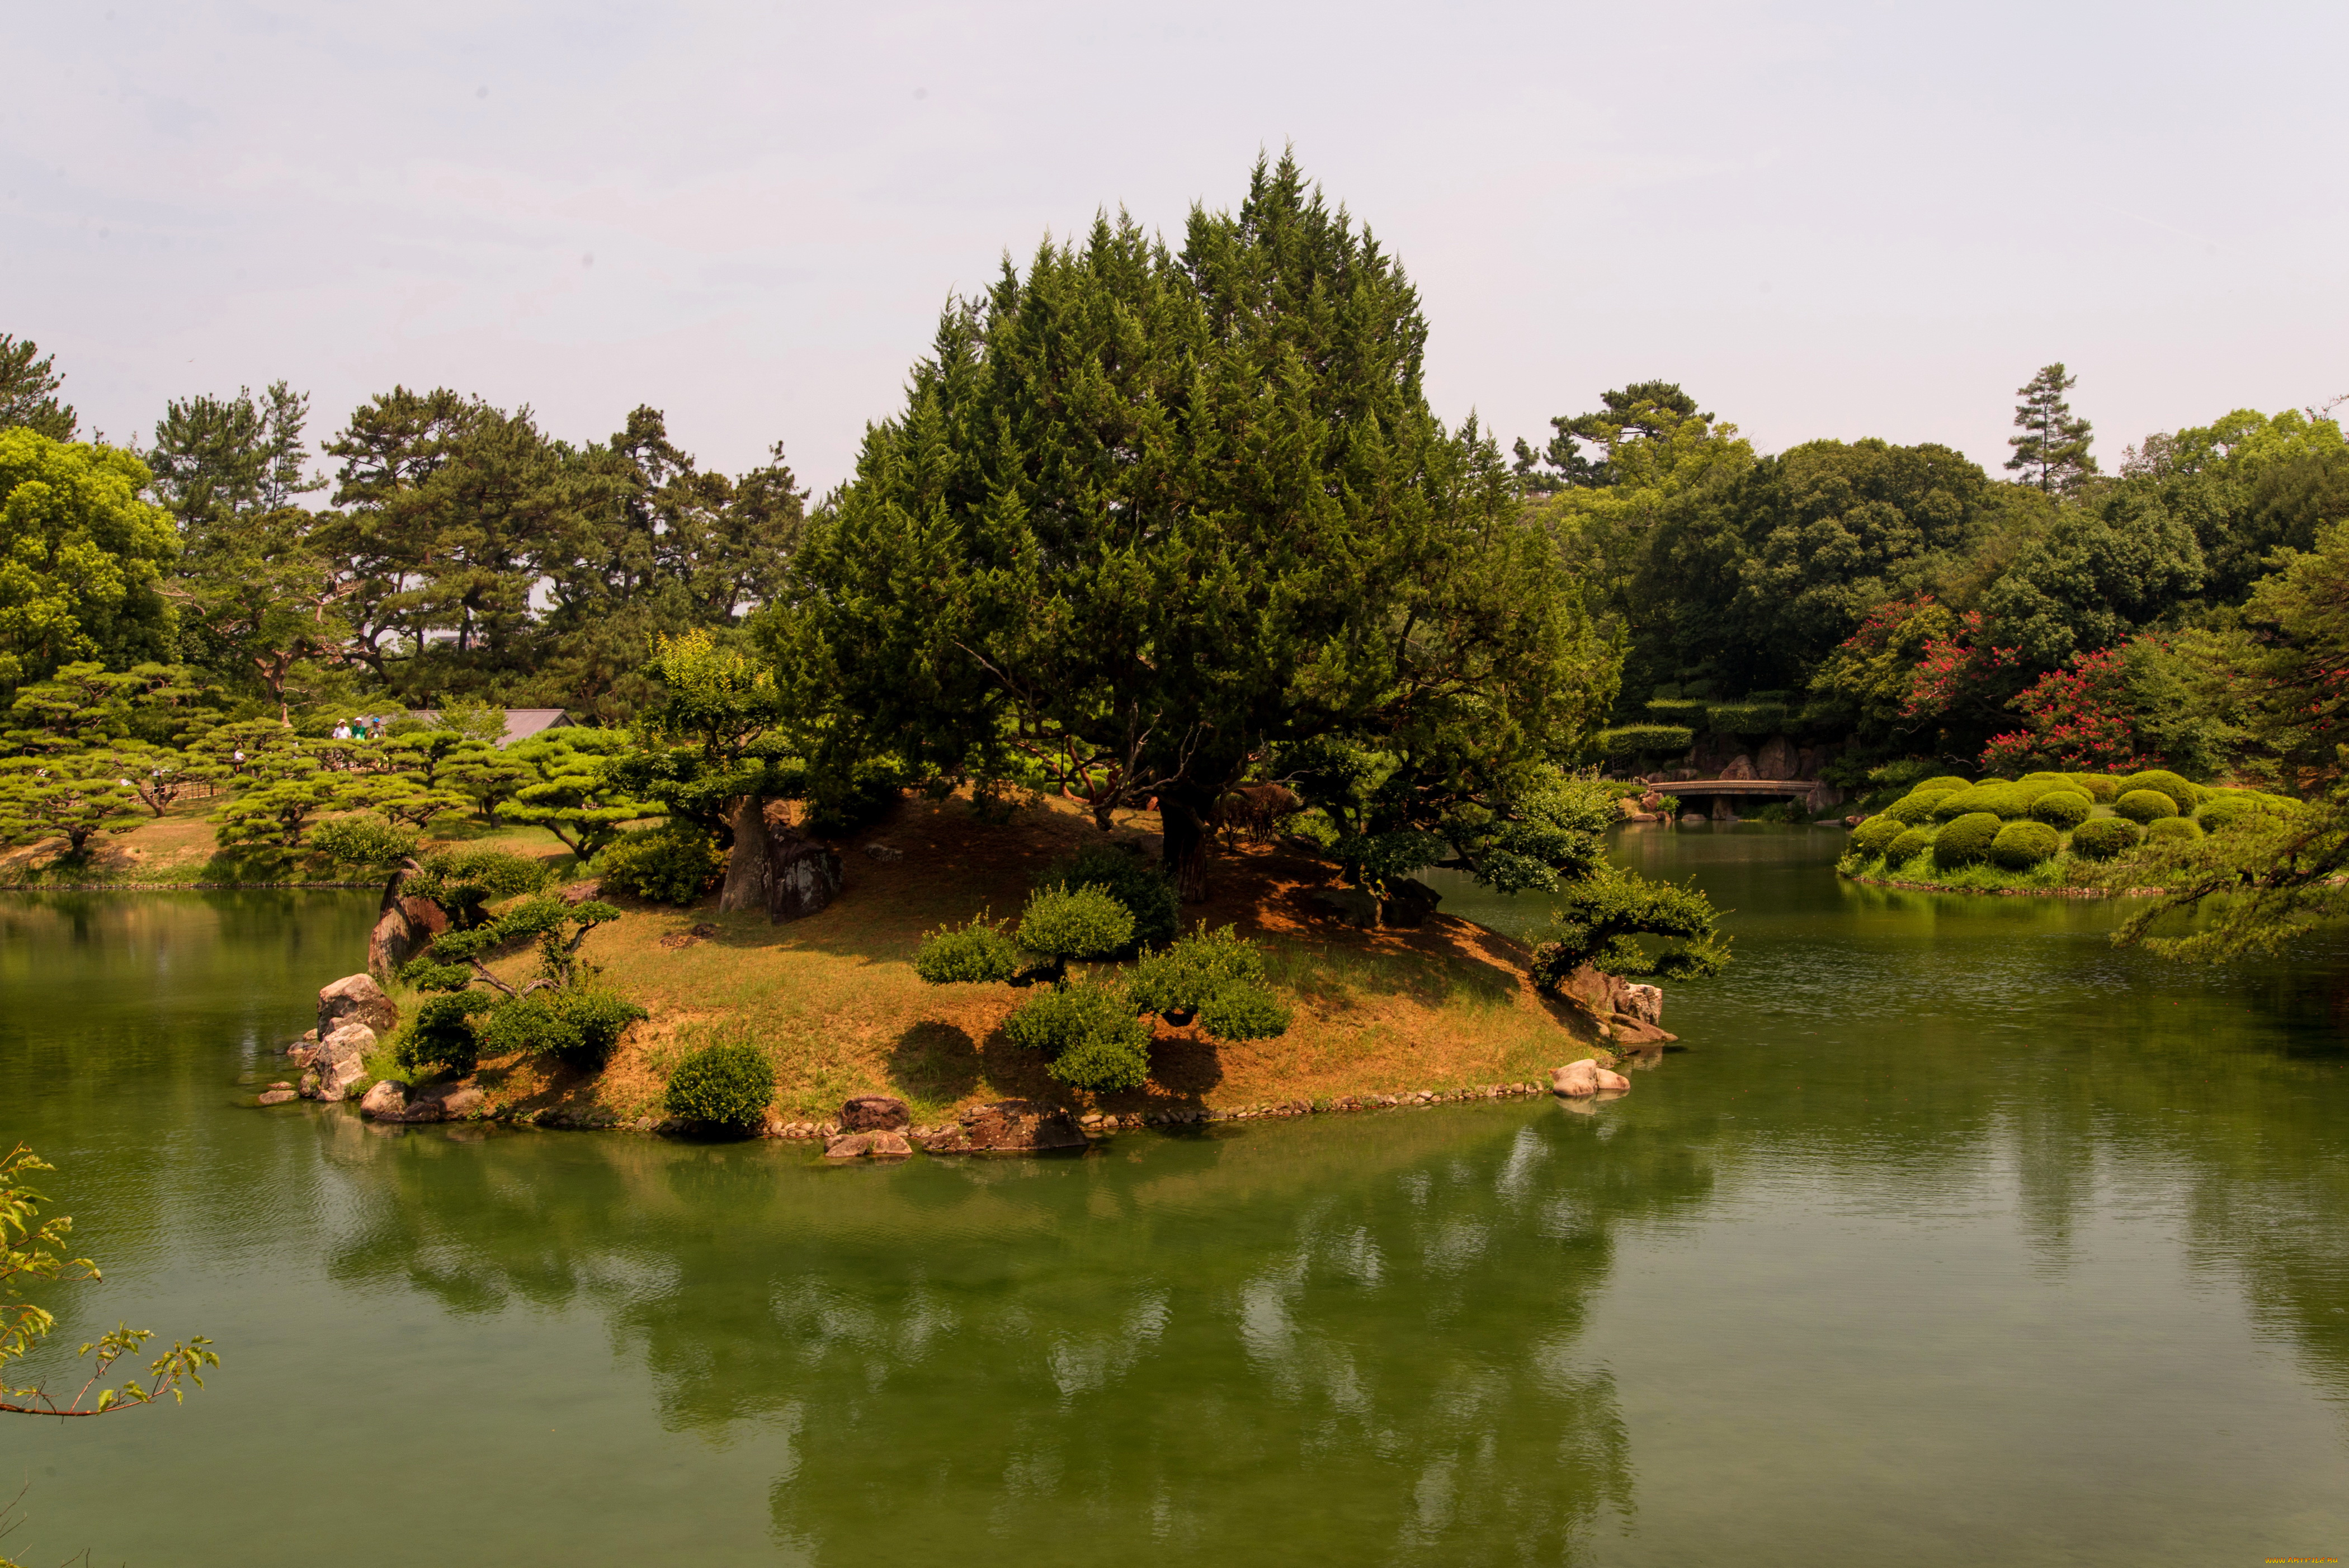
<point x="1823" y="220"/>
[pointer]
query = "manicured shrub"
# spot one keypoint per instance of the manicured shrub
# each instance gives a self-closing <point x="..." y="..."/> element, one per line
<point x="2146" y="805"/>
<point x="1089" y="1035"/>
<point x="2225" y="807"/>
<point x="1679" y="712"/>
<point x="1236" y="1012"/>
<point x="723" y="1085"/>
<point x="2022" y="845"/>
<point x="1629" y="740"/>
<point x="440" y="1033"/>
<point x="1910" y="810"/>
<point x="2065" y="807"/>
<point x="2181" y="793"/>
<point x="980" y="952"/>
<point x="1747" y="719"/>
<point x="1908" y="847"/>
<point x="1136" y="883"/>
<point x="581" y="1027"/>
<point x="1965" y="841"/>
<point x="1215" y="976"/>
<point x="363" y="840"/>
<point x="465" y="880"/>
<point x="2102" y="837"/>
<point x="1997" y="797"/>
<point x="1875" y="836"/>
<point x="674" y="863"/>
<point x="1942" y="784"/>
<point x="2101" y="787"/>
<point x="2172" y="831"/>
<point x="1075" y="923"/>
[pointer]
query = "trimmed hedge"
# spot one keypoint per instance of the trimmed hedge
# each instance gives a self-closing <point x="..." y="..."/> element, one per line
<point x="2146" y="805"/>
<point x="2022" y="845"/>
<point x="1997" y="797"/>
<point x="2101" y="787"/>
<point x="1942" y="784"/>
<point x="1967" y="840"/>
<point x="1645" y="740"/>
<point x="1912" y="808"/>
<point x="1076" y="923"/>
<point x="1875" y="835"/>
<point x="2066" y="809"/>
<point x="1908" y="846"/>
<point x="1747" y="717"/>
<point x="2102" y="837"/>
<point x="2181" y="794"/>
<point x="1688" y="711"/>
<point x="2224" y="807"/>
<point x="725" y="1085"/>
<point x="2173" y="831"/>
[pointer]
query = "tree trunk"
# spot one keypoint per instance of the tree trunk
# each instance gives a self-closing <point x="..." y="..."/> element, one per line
<point x="1186" y="816"/>
<point x="749" y="867"/>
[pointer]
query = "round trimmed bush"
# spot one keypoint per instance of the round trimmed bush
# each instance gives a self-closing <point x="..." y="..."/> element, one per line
<point x="1076" y="923"/>
<point x="2102" y="837"/>
<point x="1139" y="885"/>
<point x="1908" y="847"/>
<point x="2143" y="806"/>
<point x="2181" y="793"/>
<point x="674" y="863"/>
<point x="1875" y="836"/>
<point x="1995" y="796"/>
<point x="1967" y="840"/>
<point x="1239" y="1012"/>
<point x="1942" y="784"/>
<point x="724" y="1085"/>
<point x="2225" y="807"/>
<point x="1911" y="809"/>
<point x="2022" y="845"/>
<point x="978" y="952"/>
<point x="2172" y="831"/>
<point x="2066" y="809"/>
<point x="1089" y="1034"/>
<point x="2101" y="787"/>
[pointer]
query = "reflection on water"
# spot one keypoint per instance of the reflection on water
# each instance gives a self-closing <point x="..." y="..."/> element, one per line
<point x="1952" y="1234"/>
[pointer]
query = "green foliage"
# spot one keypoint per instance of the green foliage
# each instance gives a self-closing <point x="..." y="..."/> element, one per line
<point x="29" y="383"/>
<point x="2066" y="809"/>
<point x="1144" y="888"/>
<point x="1942" y="784"/>
<point x="361" y="841"/>
<point x="2278" y="875"/>
<point x="1629" y="740"/>
<point x="2052" y="453"/>
<point x="1874" y="836"/>
<point x="2102" y="837"/>
<point x="2183" y="795"/>
<point x="440" y="1031"/>
<point x="1088" y="1033"/>
<point x="1916" y="842"/>
<point x="464" y="878"/>
<point x="85" y="559"/>
<point x="569" y="790"/>
<point x="1602" y="920"/>
<point x="1215" y="976"/>
<point x="1912" y="808"/>
<point x="2172" y="831"/>
<point x="2225" y="807"/>
<point x="974" y="954"/>
<point x="72" y="795"/>
<point x="579" y="1025"/>
<point x="1066" y="922"/>
<point x="1995" y="796"/>
<point x="2143" y="806"/>
<point x="726" y="1084"/>
<point x="674" y="863"/>
<point x="1679" y="712"/>
<point x="1749" y="719"/>
<point x="1243" y="1013"/>
<point x="1966" y="841"/>
<point x="31" y="1253"/>
<point x="2022" y="845"/>
<point x="2101" y="787"/>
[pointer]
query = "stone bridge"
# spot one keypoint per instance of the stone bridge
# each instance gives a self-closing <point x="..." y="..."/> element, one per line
<point x="1722" y="794"/>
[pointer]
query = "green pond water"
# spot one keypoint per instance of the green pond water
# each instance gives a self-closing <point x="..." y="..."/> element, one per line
<point x="1950" y="1235"/>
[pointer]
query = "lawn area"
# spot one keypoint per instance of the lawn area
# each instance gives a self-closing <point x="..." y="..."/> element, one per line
<point x="177" y="849"/>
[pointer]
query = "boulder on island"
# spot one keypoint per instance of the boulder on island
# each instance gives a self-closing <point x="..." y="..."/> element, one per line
<point x="1578" y="1080"/>
<point x="355" y="998"/>
<point x="340" y="1059"/>
<point x="386" y="1101"/>
<point x="1007" y="1126"/>
<point x="875" y="1113"/>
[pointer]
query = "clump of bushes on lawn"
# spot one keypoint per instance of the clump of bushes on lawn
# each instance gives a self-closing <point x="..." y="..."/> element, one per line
<point x="2172" y="831"/>
<point x="1908" y="846"/>
<point x="676" y="863"/>
<point x="1965" y="841"/>
<point x="2102" y="837"/>
<point x="2064" y="809"/>
<point x="2022" y="845"/>
<point x="724" y="1085"/>
<point x="1875" y="835"/>
<point x="2144" y="806"/>
<point x="2182" y="795"/>
<point x="1088" y="1034"/>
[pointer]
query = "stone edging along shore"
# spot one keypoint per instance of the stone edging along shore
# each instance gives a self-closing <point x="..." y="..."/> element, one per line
<point x="2009" y="891"/>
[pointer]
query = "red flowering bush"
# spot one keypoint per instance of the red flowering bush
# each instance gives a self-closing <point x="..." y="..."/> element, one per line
<point x="2079" y="721"/>
<point x="1955" y="670"/>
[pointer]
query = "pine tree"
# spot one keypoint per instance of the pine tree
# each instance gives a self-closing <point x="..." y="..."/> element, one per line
<point x="2052" y="449"/>
<point x="28" y="390"/>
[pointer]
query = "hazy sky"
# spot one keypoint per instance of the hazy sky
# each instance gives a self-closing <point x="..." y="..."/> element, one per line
<point x="1822" y="220"/>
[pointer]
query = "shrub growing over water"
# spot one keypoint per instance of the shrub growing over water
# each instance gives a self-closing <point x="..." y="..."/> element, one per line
<point x="1874" y="836"/>
<point x="723" y="1085"/>
<point x="2146" y="805"/>
<point x="1075" y="923"/>
<point x="2102" y="837"/>
<point x="2066" y="809"/>
<point x="674" y="863"/>
<point x="980" y="952"/>
<point x="2172" y="831"/>
<point x="1908" y="847"/>
<point x="1137" y="883"/>
<point x="465" y="879"/>
<point x="1088" y="1034"/>
<point x="1965" y="841"/>
<point x="2182" y="795"/>
<point x="2022" y="845"/>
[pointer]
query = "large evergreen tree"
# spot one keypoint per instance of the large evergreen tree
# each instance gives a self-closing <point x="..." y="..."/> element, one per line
<point x="28" y="390"/>
<point x="2052" y="453"/>
<point x="1148" y="517"/>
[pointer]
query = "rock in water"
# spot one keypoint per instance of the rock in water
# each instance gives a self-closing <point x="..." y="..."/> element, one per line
<point x="1574" y="1080"/>
<point x="341" y="1059"/>
<point x="1613" y="1082"/>
<point x="386" y="1101"/>
<point x="889" y="1146"/>
<point x="1007" y="1127"/>
<point x="277" y="1096"/>
<point x="1645" y="1003"/>
<point x="874" y="1113"/>
<point x="355" y="998"/>
<point x="848" y="1146"/>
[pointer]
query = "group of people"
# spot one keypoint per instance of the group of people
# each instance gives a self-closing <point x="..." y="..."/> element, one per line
<point x="360" y="729"/>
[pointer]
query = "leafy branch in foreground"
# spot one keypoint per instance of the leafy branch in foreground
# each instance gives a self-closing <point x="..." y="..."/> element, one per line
<point x="31" y="1249"/>
<point x="2275" y="875"/>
